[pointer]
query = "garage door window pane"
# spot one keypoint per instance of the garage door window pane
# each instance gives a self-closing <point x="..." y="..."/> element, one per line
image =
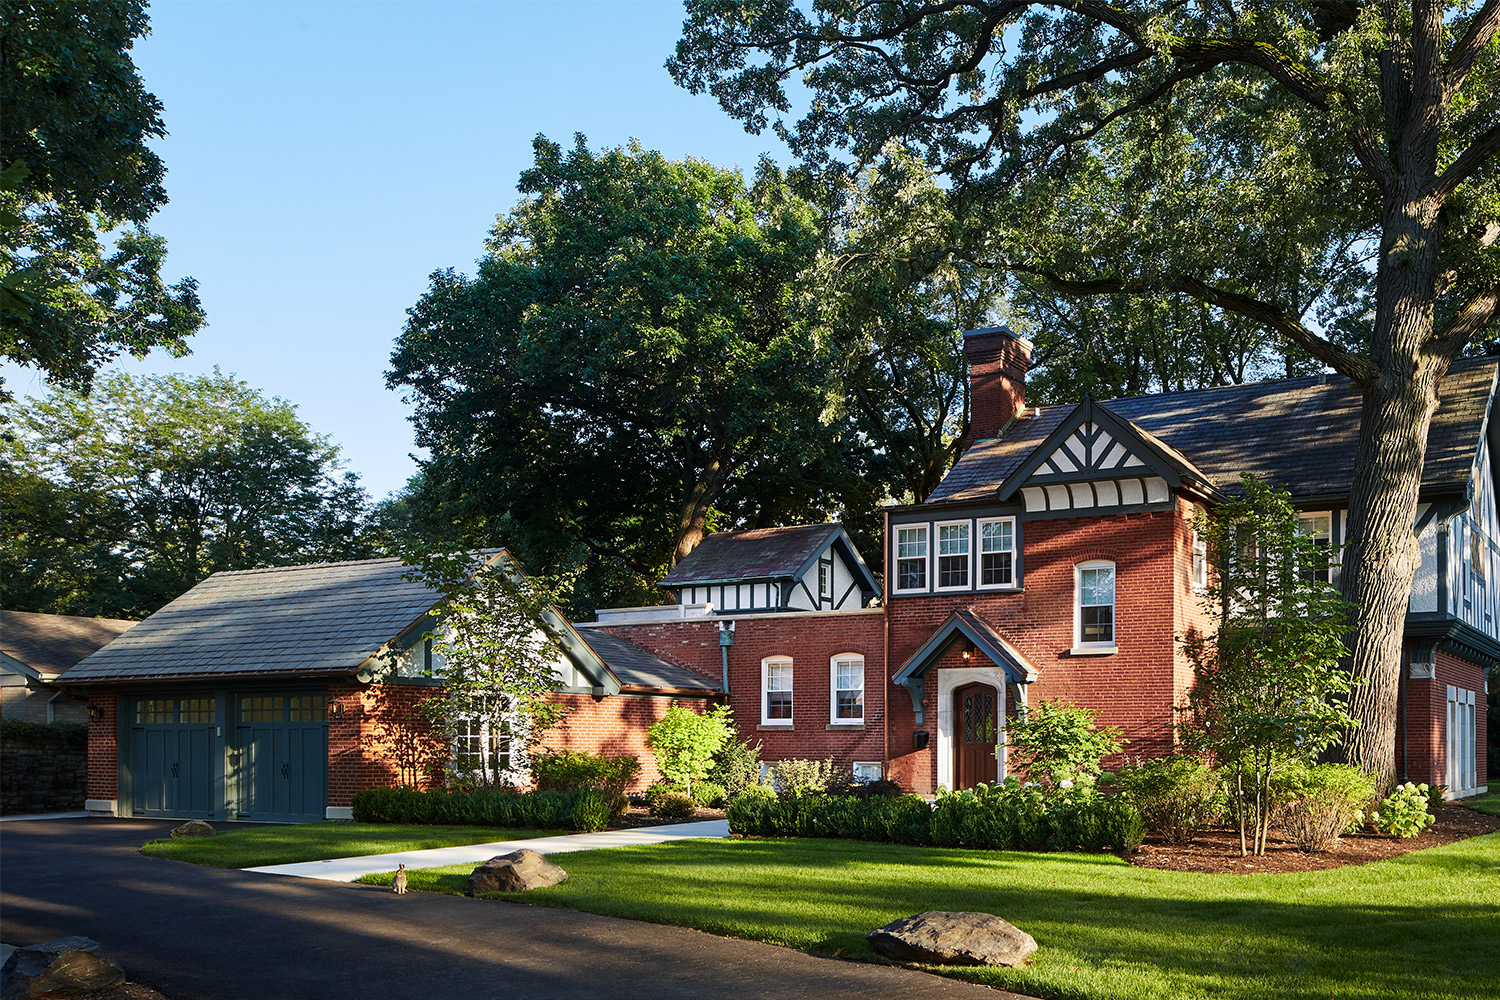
<point x="308" y="708"/>
<point x="261" y="709"/>
<point x="156" y="711"/>
<point x="197" y="710"/>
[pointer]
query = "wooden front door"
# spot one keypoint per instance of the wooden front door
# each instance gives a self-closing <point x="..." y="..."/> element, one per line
<point x="975" y="718"/>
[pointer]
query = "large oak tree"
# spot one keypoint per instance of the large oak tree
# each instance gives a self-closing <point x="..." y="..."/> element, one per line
<point x="1344" y="130"/>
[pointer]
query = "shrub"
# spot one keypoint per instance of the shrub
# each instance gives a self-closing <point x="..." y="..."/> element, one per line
<point x="547" y="808"/>
<point x="686" y="742"/>
<point x="671" y="805"/>
<point x="750" y="811"/>
<point x="1176" y="795"/>
<point x="565" y="769"/>
<point x="1437" y="796"/>
<point x="1315" y="804"/>
<point x="591" y="811"/>
<point x="709" y="795"/>
<point x="793" y="776"/>
<point x="737" y="766"/>
<point x="882" y="788"/>
<point x="1060" y="742"/>
<point x="1403" y="813"/>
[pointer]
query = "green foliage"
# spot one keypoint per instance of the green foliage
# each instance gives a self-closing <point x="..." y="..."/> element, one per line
<point x="1060" y="742"/>
<point x="1007" y="816"/>
<point x="790" y="777"/>
<point x="1437" y="796"/>
<point x="1315" y="804"/>
<point x="1403" y="813"/>
<point x="737" y="766"/>
<point x="686" y="742"/>
<point x="671" y="805"/>
<point x="118" y="502"/>
<point x="592" y="811"/>
<point x="80" y="277"/>
<point x="72" y="733"/>
<point x="1268" y="682"/>
<point x="709" y="795"/>
<point x="578" y="808"/>
<point x="1176" y="795"/>
<point x="568" y="769"/>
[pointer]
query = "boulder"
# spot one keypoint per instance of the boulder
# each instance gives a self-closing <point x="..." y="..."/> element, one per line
<point x="194" y="828"/>
<point x="954" y="939"/>
<point x="514" y="872"/>
<point x="68" y="967"/>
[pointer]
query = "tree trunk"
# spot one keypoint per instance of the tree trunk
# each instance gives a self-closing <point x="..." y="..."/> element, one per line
<point x="694" y="521"/>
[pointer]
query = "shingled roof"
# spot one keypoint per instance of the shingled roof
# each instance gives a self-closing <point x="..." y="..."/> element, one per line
<point x="50" y="644"/>
<point x="1298" y="433"/>
<point x="319" y="620"/>
<point x="756" y="554"/>
<point x="639" y="668"/>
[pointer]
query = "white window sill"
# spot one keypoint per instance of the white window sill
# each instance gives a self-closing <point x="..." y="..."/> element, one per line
<point x="776" y="724"/>
<point x="1092" y="651"/>
<point x="847" y="724"/>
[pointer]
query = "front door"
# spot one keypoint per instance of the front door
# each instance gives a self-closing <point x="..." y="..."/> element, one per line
<point x="975" y="708"/>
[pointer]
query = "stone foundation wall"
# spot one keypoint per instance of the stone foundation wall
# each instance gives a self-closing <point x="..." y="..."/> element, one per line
<point x="42" y="768"/>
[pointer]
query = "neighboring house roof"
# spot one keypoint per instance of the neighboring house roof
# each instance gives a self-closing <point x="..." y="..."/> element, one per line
<point x="639" y="668"/>
<point x="50" y="644"/>
<point x="316" y="620"/>
<point x="1298" y="433"/>
<point x="767" y="554"/>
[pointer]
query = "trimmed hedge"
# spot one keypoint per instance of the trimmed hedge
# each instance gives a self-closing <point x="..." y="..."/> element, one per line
<point x="577" y="808"/>
<point x="1007" y="816"/>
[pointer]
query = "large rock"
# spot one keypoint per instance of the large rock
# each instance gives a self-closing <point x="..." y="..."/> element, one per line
<point x="194" y="828"/>
<point x="954" y="939"/>
<point x="514" y="872"/>
<point x="69" y="967"/>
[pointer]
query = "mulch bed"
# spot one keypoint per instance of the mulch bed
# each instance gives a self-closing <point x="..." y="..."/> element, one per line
<point x="1218" y="850"/>
<point x="637" y="816"/>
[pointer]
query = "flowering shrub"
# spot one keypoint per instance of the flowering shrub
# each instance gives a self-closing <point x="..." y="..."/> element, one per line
<point x="1403" y="813"/>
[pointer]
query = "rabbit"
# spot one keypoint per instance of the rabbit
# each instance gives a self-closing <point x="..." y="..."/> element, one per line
<point x="398" y="884"/>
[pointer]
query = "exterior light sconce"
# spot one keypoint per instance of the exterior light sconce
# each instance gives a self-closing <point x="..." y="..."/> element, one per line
<point x="96" y="714"/>
<point x="335" y="709"/>
<point x="968" y="651"/>
<point x="919" y="739"/>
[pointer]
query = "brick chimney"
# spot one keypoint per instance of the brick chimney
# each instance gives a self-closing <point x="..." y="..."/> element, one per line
<point x="998" y="360"/>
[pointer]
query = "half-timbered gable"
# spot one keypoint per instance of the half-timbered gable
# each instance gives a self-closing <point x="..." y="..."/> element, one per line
<point x="810" y="567"/>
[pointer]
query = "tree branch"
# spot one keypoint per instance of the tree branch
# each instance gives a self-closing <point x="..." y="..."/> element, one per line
<point x="1470" y="160"/>
<point x="1453" y="338"/>
<point x="1474" y="41"/>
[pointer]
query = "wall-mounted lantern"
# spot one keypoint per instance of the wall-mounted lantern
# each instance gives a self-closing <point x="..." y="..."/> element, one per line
<point x="919" y="739"/>
<point x="96" y="714"/>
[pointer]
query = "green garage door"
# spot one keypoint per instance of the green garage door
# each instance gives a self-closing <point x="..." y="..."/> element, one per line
<point x="279" y="761"/>
<point x="173" y="744"/>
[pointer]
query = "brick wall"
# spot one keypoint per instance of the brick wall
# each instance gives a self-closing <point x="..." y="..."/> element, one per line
<point x="811" y="640"/>
<point x="997" y="381"/>
<point x="614" y="726"/>
<point x="104" y="746"/>
<point x="1426" y="721"/>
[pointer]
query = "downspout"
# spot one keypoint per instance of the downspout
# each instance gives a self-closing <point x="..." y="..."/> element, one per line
<point x="885" y="658"/>
<point x="726" y="639"/>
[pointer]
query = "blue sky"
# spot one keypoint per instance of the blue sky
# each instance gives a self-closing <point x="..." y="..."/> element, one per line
<point x="324" y="158"/>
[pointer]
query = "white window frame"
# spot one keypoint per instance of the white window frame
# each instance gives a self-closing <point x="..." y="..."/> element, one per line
<point x="1095" y="648"/>
<point x="1197" y="559"/>
<point x="926" y="557"/>
<point x="938" y="556"/>
<point x="518" y="765"/>
<point x="1461" y="736"/>
<point x="873" y="771"/>
<point x="1306" y="519"/>
<point x="833" y="689"/>
<point x="979" y="555"/>
<point x="765" y="690"/>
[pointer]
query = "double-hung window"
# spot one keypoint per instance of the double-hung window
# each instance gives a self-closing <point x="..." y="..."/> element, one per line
<point x="911" y="557"/>
<point x="482" y="742"/>
<point x="776" y="691"/>
<point x="1319" y="529"/>
<point x="1200" y="560"/>
<point x="847" y="687"/>
<point x="1095" y="606"/>
<point x="997" y="552"/>
<point x="953" y="556"/>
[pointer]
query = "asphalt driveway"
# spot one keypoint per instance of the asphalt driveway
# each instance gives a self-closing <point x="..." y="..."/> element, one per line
<point x="199" y="933"/>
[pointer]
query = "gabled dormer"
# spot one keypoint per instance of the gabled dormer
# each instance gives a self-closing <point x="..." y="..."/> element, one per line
<point x="811" y="567"/>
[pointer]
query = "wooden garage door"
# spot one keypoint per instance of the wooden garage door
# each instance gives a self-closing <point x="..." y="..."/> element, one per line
<point x="279" y="760"/>
<point x="171" y="757"/>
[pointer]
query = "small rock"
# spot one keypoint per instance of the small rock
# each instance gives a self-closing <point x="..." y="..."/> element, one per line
<point x="954" y="939"/>
<point x="194" y="828"/>
<point x="514" y="872"/>
<point x="68" y="967"/>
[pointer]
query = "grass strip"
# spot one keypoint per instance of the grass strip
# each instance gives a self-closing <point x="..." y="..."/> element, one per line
<point x="1485" y="804"/>
<point x="281" y="845"/>
<point x="1422" y="925"/>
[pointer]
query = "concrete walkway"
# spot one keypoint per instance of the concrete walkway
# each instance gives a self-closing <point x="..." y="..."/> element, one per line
<point x="349" y="869"/>
<point x="36" y="816"/>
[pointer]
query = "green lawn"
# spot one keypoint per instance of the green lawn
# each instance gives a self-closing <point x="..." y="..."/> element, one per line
<point x="1423" y="925"/>
<point x="281" y="845"/>
<point x="1485" y="804"/>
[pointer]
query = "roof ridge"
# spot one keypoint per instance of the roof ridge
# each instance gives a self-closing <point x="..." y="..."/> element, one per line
<point x="301" y="566"/>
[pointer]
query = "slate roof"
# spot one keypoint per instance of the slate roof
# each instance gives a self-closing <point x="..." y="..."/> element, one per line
<point x="50" y="644"/>
<point x="756" y="554"/>
<point x="1297" y="433"/>
<point x="323" y="619"/>
<point x="636" y="667"/>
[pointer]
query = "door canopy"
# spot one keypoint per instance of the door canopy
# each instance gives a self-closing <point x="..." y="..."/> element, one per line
<point x="964" y="624"/>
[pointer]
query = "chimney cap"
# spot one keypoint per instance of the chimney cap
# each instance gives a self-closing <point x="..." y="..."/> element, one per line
<point x="1003" y="329"/>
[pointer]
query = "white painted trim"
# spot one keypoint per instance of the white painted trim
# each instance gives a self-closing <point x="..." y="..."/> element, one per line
<point x="948" y="681"/>
<point x="979" y="555"/>
<point x="833" y="691"/>
<point x="931" y="536"/>
<point x="101" y="807"/>
<point x="728" y="615"/>
<point x="764" y="690"/>
<point x="1081" y="648"/>
<point x="937" y="556"/>
<point x="339" y="813"/>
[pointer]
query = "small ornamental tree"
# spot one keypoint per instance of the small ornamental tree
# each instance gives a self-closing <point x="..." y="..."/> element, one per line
<point x="1059" y="742"/>
<point x="1269" y="680"/>
<point x="685" y="743"/>
<point x="498" y="666"/>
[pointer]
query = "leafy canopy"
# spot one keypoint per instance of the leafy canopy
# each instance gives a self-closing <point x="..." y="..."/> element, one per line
<point x="686" y="742"/>
<point x="80" y="276"/>
<point x="1059" y="742"/>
